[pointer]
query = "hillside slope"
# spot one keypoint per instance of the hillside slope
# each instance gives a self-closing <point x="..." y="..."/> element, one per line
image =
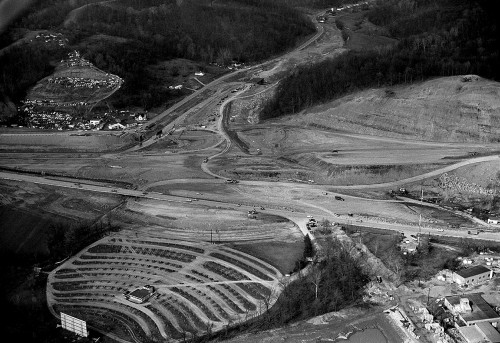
<point x="444" y="109"/>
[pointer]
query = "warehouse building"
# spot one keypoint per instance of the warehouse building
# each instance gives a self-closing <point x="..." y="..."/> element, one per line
<point x="472" y="276"/>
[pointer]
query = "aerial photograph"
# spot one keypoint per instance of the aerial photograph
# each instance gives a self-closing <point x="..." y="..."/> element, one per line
<point x="246" y="171"/>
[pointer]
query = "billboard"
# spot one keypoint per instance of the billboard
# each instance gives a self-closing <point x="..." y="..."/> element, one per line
<point x="73" y="324"/>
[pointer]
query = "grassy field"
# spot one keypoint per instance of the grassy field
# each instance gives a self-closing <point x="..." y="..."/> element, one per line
<point x="363" y="35"/>
<point x="281" y="255"/>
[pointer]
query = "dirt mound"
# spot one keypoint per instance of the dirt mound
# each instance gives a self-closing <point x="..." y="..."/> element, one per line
<point x="450" y="109"/>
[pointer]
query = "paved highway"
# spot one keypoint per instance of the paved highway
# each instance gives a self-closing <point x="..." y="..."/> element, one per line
<point x="298" y="217"/>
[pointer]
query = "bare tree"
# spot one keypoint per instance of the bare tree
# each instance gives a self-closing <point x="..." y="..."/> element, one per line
<point x="316" y="276"/>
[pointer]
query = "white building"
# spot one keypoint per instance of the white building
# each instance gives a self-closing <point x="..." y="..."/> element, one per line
<point x="472" y="276"/>
<point x="494" y="220"/>
<point x="116" y="126"/>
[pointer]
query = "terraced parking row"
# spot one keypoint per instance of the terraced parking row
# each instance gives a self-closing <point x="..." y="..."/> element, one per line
<point x="198" y="288"/>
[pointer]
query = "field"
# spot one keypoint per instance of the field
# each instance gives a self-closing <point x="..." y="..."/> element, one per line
<point x="199" y="287"/>
<point x="55" y="141"/>
<point x="197" y="221"/>
<point x="363" y="35"/>
<point x="282" y="255"/>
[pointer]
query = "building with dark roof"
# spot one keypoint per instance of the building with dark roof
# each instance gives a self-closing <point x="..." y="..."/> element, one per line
<point x="140" y="295"/>
<point x="472" y="276"/>
<point x="471" y="309"/>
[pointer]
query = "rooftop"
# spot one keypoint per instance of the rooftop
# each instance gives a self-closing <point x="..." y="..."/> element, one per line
<point x="471" y="334"/>
<point x="481" y="310"/>
<point x="489" y="331"/>
<point x="472" y="271"/>
<point x="140" y="293"/>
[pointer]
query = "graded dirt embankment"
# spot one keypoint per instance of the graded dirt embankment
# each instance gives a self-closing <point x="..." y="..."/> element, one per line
<point x="445" y="109"/>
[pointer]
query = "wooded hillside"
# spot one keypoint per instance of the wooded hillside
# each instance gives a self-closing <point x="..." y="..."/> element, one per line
<point x="436" y="38"/>
<point x="144" y="32"/>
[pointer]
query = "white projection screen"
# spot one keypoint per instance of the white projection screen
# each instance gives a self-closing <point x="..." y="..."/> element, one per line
<point x="73" y="324"/>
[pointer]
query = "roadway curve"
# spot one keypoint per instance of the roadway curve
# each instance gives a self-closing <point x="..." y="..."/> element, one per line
<point x="297" y="217"/>
<point x="424" y="176"/>
<point x="305" y="185"/>
<point x="214" y="85"/>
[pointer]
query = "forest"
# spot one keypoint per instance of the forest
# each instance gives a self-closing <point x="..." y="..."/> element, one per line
<point x="142" y="33"/>
<point x="435" y="38"/>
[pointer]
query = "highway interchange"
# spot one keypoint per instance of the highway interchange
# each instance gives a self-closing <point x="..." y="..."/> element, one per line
<point x="238" y="81"/>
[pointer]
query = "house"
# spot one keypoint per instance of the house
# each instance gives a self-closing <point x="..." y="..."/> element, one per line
<point x="141" y="117"/>
<point x="494" y="220"/>
<point x="95" y="122"/>
<point x="116" y="126"/>
<point x="472" y="276"/>
<point x="470" y="309"/>
<point x="199" y="73"/>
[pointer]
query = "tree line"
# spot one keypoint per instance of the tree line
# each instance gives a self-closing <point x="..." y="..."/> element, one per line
<point x="248" y="31"/>
<point x="436" y="38"/>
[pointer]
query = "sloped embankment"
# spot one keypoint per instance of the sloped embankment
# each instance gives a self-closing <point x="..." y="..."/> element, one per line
<point x="450" y="109"/>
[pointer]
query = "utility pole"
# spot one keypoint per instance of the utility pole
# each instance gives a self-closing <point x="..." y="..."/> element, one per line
<point x="419" y="229"/>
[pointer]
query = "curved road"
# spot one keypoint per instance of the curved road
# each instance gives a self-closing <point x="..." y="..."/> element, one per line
<point x="214" y="85"/>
